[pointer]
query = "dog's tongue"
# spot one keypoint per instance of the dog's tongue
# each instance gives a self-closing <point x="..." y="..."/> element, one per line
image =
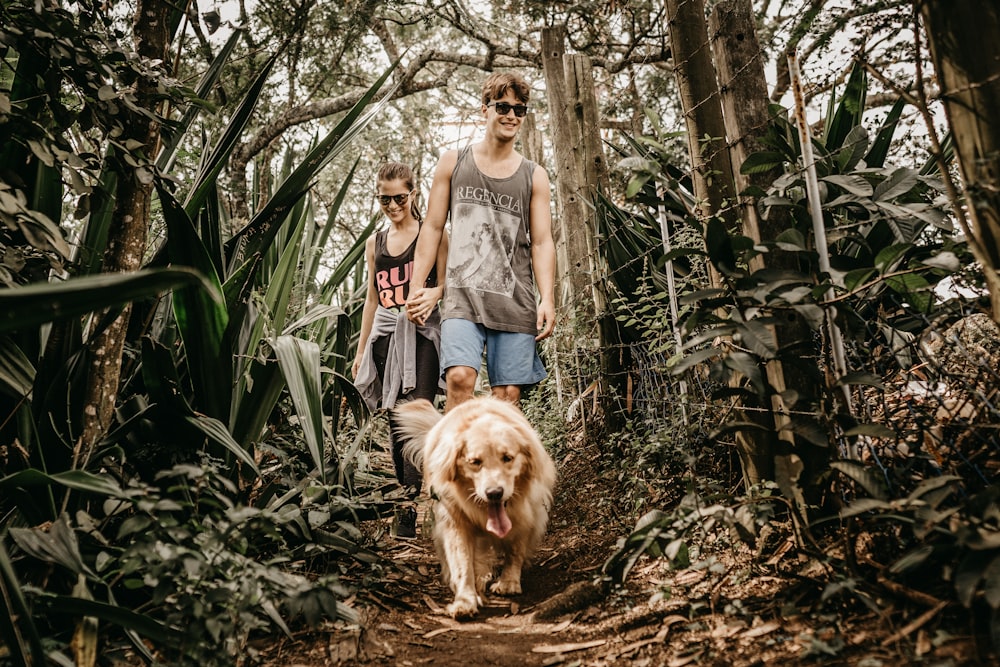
<point x="497" y="521"/>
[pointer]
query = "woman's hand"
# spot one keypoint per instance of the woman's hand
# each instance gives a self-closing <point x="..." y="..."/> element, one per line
<point x="422" y="302"/>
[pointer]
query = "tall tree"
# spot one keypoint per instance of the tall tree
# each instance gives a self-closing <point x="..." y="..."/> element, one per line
<point x="130" y="222"/>
<point x="964" y="39"/>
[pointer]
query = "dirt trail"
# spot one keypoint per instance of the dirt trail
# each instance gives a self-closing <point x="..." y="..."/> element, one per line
<point x="405" y="623"/>
<point x="740" y="609"/>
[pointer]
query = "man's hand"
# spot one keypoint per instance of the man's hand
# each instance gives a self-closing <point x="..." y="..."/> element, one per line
<point x="421" y="303"/>
<point x="546" y="320"/>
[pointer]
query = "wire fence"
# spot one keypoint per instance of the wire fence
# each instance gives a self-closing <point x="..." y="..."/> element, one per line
<point x="930" y="405"/>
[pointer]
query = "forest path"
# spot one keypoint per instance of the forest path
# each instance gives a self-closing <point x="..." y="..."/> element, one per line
<point x="737" y="608"/>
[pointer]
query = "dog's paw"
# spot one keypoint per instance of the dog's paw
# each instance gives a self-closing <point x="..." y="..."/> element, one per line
<point x="506" y="587"/>
<point x="463" y="609"/>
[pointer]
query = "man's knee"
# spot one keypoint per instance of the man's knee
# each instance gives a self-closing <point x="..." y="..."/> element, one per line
<point x="508" y="392"/>
<point x="461" y="377"/>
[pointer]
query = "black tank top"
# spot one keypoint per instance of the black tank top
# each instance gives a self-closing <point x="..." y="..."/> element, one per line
<point x="392" y="272"/>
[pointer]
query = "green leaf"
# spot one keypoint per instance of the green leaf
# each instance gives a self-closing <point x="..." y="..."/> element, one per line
<point x="900" y="182"/>
<point x="164" y="161"/>
<point x="887" y="258"/>
<point x="862" y="378"/>
<point x="991" y="583"/>
<point x="863" y="505"/>
<point x="200" y="314"/>
<point x="299" y="361"/>
<point x="809" y="429"/>
<point x="914" y="288"/>
<point x="78" y="480"/>
<point x="849" y="111"/>
<point x="90" y="253"/>
<point x="856" y="185"/>
<point x="719" y="245"/>
<point x="73" y="607"/>
<point x="871" y="430"/>
<point x="857" y="277"/>
<point x="912" y="559"/>
<point x="762" y="162"/>
<point x="855" y="145"/>
<point x="29" y="306"/>
<point x="812" y="314"/>
<point x="880" y="147"/>
<point x="791" y="239"/>
<point x="56" y="544"/>
<point x="216" y="431"/>
<point x="17" y="627"/>
<point x="16" y="372"/>
<point x="694" y="358"/>
<point x="871" y="481"/>
<point x="211" y="168"/>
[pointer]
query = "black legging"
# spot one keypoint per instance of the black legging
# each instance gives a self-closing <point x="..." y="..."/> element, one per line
<point x="428" y="372"/>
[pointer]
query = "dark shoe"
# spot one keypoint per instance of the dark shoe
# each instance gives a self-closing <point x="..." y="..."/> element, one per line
<point x="406" y="523"/>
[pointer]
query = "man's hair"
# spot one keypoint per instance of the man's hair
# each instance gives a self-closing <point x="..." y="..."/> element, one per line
<point x="499" y="83"/>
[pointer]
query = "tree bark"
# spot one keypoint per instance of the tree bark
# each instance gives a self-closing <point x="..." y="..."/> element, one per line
<point x="745" y="103"/>
<point x="574" y="275"/>
<point x="712" y="171"/>
<point x="129" y="229"/>
<point x="964" y="39"/>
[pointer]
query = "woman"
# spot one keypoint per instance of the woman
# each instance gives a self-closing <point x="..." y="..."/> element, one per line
<point x="398" y="359"/>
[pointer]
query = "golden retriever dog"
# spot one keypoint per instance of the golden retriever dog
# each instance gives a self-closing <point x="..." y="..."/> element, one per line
<point x="491" y="481"/>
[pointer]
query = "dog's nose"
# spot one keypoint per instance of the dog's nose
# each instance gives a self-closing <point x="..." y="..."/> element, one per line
<point x="495" y="494"/>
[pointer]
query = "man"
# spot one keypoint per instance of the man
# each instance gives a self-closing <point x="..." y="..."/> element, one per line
<point x="501" y="249"/>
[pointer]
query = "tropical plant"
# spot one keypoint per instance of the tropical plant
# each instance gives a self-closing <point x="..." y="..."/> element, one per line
<point x="890" y="242"/>
<point x="232" y="341"/>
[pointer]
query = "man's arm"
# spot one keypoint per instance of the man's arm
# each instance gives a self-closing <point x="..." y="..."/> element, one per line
<point x="543" y="252"/>
<point x="431" y="232"/>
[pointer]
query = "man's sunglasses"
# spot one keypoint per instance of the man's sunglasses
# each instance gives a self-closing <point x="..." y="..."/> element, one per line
<point x="503" y="108"/>
<point x="399" y="199"/>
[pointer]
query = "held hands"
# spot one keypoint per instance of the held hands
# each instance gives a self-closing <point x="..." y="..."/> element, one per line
<point x="422" y="302"/>
<point x="546" y="320"/>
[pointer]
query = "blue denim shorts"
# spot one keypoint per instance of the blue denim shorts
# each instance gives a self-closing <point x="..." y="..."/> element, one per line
<point x="511" y="358"/>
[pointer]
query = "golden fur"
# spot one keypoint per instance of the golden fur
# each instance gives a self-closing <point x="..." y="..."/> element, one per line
<point x="491" y="480"/>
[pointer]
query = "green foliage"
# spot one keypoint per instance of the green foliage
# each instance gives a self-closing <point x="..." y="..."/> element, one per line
<point x="675" y="535"/>
<point x="946" y="535"/>
<point x="225" y="454"/>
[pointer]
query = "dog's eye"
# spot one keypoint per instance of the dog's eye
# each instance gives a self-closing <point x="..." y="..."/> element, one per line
<point x="475" y="463"/>
<point x="507" y="458"/>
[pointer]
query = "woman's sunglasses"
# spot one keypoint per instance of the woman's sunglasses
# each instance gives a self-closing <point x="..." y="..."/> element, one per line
<point x="399" y="199"/>
<point x="503" y="108"/>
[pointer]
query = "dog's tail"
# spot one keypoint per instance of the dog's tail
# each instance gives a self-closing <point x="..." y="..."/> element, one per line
<point x="413" y="421"/>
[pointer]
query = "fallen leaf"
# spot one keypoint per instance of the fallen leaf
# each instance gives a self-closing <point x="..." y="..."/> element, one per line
<point x="435" y="633"/>
<point x="562" y="626"/>
<point x="432" y="605"/>
<point x="762" y="630"/>
<point x="566" y="648"/>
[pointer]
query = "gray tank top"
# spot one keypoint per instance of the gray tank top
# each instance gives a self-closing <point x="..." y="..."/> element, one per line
<point x="489" y="278"/>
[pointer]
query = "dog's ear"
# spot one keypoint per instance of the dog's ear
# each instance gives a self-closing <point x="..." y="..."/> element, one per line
<point x="441" y="458"/>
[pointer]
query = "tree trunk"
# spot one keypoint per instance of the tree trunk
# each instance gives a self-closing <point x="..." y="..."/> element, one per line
<point x="745" y="106"/>
<point x="129" y="229"/>
<point x="573" y="277"/>
<point x="964" y="40"/>
<point x="712" y="174"/>
<point x="699" y="93"/>
<point x="581" y="173"/>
